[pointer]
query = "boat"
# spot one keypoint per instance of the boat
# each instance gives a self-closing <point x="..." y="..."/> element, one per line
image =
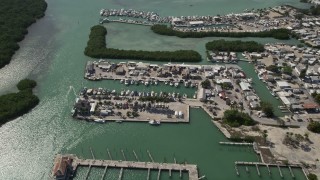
<point x="194" y="96"/>
<point x="165" y="82"/>
<point x="185" y="96"/>
<point x="122" y="93"/>
<point x="176" y="84"/>
<point x="126" y="82"/>
<point x="152" y="93"/>
<point x="154" y="122"/>
<point x="186" y="84"/>
<point x="146" y="83"/>
<point x="128" y="92"/>
<point x="99" y="121"/>
<point x="113" y="91"/>
<point x="118" y="121"/>
<point x="121" y="81"/>
<point x="171" y="83"/>
<point x="132" y="81"/>
<point x="73" y="112"/>
<point x="156" y="82"/>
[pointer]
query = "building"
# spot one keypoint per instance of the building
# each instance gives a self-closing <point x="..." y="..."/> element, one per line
<point x="245" y="86"/>
<point x="120" y="71"/>
<point x="201" y="94"/>
<point x="283" y="84"/>
<point x="62" y="169"/>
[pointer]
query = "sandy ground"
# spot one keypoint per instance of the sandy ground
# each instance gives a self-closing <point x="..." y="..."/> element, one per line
<point x="294" y="155"/>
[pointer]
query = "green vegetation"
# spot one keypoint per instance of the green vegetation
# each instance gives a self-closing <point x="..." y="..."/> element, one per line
<point x="315" y="10"/>
<point x="236" y="118"/>
<point x="16" y="104"/>
<point x="26" y="84"/>
<point x="287" y="70"/>
<point x="238" y="46"/>
<point x="237" y="138"/>
<point x="96" y="48"/>
<point x="16" y="17"/>
<point x="312" y="176"/>
<point x="275" y="33"/>
<point x="314" y="126"/>
<point x="273" y="68"/>
<point x="267" y="108"/>
<point x="303" y="73"/>
<point x="316" y="97"/>
<point x="206" y="84"/>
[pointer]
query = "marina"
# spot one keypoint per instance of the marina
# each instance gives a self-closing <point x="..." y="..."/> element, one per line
<point x="74" y="162"/>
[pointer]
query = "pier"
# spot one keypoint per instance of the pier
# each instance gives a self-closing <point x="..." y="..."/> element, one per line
<point x="291" y="172"/>
<point x="159" y="173"/>
<point x="76" y="162"/>
<point x="236" y="143"/>
<point x="258" y="170"/>
<point x="280" y="171"/>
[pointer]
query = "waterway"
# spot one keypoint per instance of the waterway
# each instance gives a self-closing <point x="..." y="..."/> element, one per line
<point x="52" y="54"/>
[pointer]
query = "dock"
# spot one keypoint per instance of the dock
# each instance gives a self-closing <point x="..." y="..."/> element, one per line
<point x="258" y="171"/>
<point x="190" y="168"/>
<point x="104" y="172"/>
<point x="280" y="172"/>
<point x="236" y="143"/>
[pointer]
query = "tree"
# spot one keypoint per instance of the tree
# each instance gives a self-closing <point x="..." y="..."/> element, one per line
<point x="273" y="68"/>
<point x="267" y="108"/>
<point x="312" y="176"/>
<point x="206" y="84"/>
<point x="314" y="126"/>
<point x="235" y="118"/>
<point x="26" y="84"/>
<point x="303" y="73"/>
<point x="287" y="70"/>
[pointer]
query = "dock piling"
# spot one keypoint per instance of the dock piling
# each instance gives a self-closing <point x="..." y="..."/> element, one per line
<point x="268" y="169"/>
<point x="92" y="153"/>
<point x="109" y="154"/>
<point x="124" y="157"/>
<point x="280" y="171"/>
<point x="258" y="170"/>
<point x="87" y="175"/>
<point x="180" y="173"/>
<point x="148" y="177"/>
<point x="104" y="172"/>
<point x="120" y="175"/>
<point x="291" y="172"/>
<point x="247" y="169"/>
<point x="150" y="155"/>
<point x="175" y="161"/>
<point x="135" y="155"/>
<point x="159" y="173"/>
<point x="169" y="172"/>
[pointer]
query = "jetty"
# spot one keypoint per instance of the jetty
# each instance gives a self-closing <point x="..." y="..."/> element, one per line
<point x="236" y="143"/>
<point x="76" y="162"/>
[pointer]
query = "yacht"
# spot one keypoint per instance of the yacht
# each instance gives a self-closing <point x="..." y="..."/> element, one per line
<point x="154" y="122"/>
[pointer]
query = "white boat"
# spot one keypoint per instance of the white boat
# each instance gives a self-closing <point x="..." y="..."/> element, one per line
<point x="126" y="82"/>
<point x="194" y="96"/>
<point x="156" y="82"/>
<point x="192" y="85"/>
<point x="118" y="121"/>
<point x="154" y="122"/>
<point x="113" y="91"/>
<point x="132" y="81"/>
<point x="146" y="83"/>
<point x="171" y="83"/>
<point x="122" y="80"/>
<point x="152" y="93"/>
<point x="128" y="92"/>
<point x="176" y="84"/>
<point x="165" y="82"/>
<point x="122" y="93"/>
<point x="185" y="96"/>
<point x="186" y="84"/>
<point x="99" y="121"/>
<point x="250" y="80"/>
<point x="140" y="93"/>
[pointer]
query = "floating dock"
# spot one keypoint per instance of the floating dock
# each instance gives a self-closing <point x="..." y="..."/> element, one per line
<point x="236" y="143"/>
<point x="76" y="162"/>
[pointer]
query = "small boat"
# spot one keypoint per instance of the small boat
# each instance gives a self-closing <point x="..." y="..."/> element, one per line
<point x="185" y="96"/>
<point x="121" y="81"/>
<point x="154" y="122"/>
<point x="176" y="84"/>
<point x="165" y="82"/>
<point x="128" y="92"/>
<point x="122" y="93"/>
<point x="113" y="91"/>
<point x="132" y="81"/>
<point x="126" y="82"/>
<point x="118" y="121"/>
<point x="171" y="83"/>
<point x="194" y="96"/>
<point x="146" y="83"/>
<point x="99" y="121"/>
<point x="192" y="85"/>
<point x="152" y="93"/>
<point x="186" y="84"/>
<point x="156" y="82"/>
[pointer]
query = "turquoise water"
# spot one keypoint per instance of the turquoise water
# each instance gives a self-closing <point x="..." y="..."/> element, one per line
<point x="52" y="54"/>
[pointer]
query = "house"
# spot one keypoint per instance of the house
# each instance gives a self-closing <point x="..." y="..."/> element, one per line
<point x="283" y="84"/>
<point x="299" y="68"/>
<point x="90" y="67"/>
<point x="202" y="94"/>
<point x="311" y="107"/>
<point x="245" y="86"/>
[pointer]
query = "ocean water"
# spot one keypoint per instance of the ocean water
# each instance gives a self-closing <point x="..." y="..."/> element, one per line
<point x="52" y="54"/>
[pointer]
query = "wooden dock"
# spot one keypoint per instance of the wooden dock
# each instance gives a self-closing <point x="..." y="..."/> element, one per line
<point x="190" y="168"/>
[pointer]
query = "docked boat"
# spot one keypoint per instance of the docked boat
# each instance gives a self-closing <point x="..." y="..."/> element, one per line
<point x="146" y="83"/>
<point x="121" y="81"/>
<point x="118" y="121"/>
<point x="176" y="84"/>
<point x="185" y="96"/>
<point x="99" y="121"/>
<point x="132" y="81"/>
<point x="171" y="83"/>
<point x="152" y="93"/>
<point x="126" y="82"/>
<point x="186" y="84"/>
<point x="156" y="82"/>
<point x="154" y="122"/>
<point x="127" y="92"/>
<point x="165" y="82"/>
<point x="122" y="93"/>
